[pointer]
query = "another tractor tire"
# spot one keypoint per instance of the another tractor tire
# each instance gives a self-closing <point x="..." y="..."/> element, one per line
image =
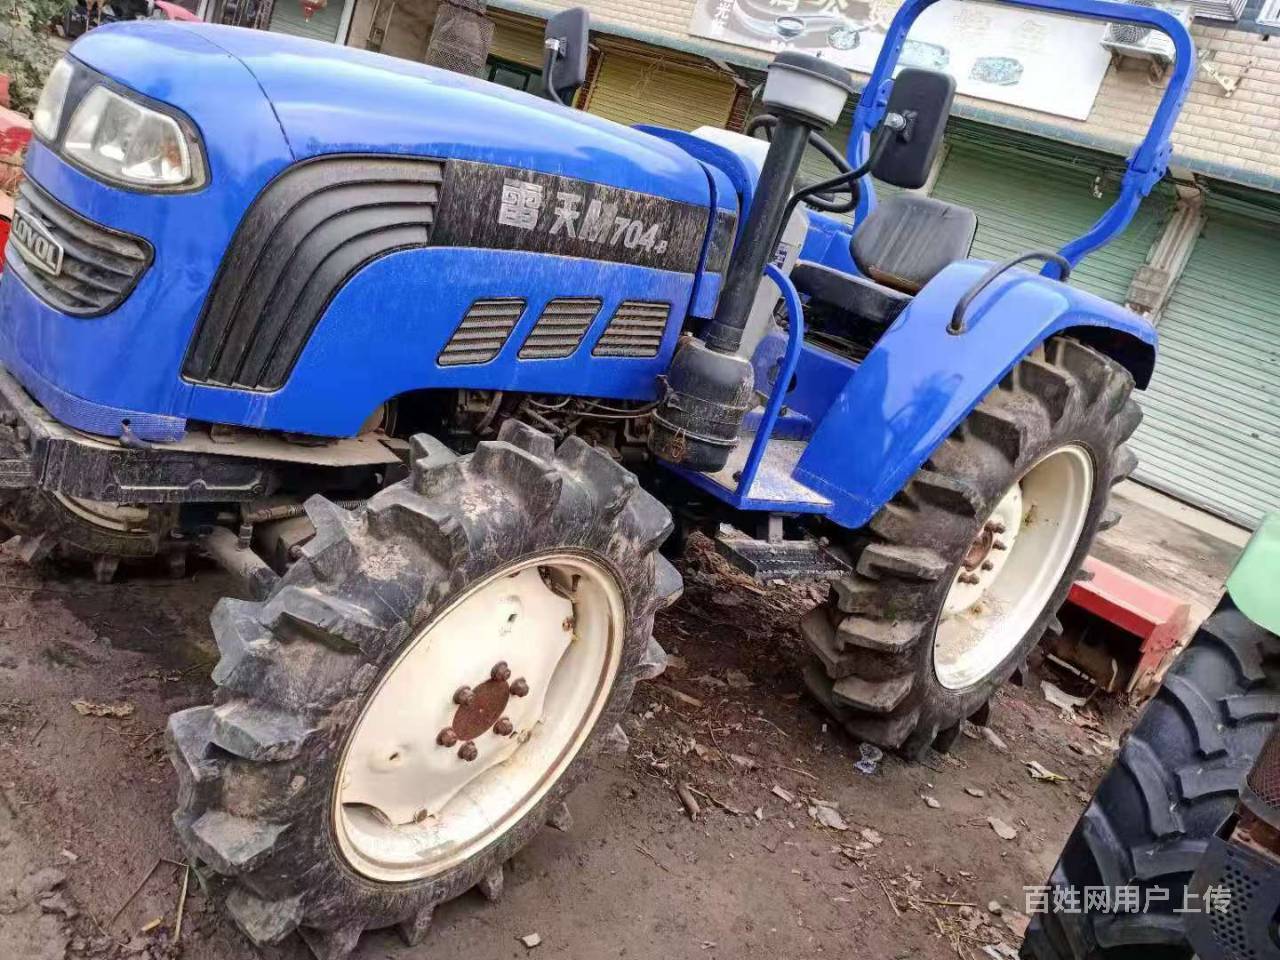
<point x="960" y="574"/>
<point x="1173" y="785"/>
<point x="342" y="710"/>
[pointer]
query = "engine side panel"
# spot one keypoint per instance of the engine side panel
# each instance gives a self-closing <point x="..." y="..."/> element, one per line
<point x="361" y="352"/>
<point x="919" y="382"/>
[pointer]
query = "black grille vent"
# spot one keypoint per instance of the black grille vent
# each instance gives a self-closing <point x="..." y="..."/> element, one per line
<point x="99" y="266"/>
<point x="482" y="331"/>
<point x="560" y="328"/>
<point x="310" y="230"/>
<point x="636" y="330"/>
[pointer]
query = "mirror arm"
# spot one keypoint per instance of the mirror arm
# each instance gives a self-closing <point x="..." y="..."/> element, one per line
<point x="554" y="47"/>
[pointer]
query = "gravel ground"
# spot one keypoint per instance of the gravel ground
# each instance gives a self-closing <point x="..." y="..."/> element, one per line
<point x="793" y="853"/>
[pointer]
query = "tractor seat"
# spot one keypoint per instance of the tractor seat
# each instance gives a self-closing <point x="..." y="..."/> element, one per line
<point x="908" y="239"/>
<point x="905" y="241"/>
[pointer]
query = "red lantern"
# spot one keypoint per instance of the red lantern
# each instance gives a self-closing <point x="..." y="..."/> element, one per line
<point x="309" y="7"/>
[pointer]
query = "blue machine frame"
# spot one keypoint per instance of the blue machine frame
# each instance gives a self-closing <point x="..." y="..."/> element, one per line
<point x="870" y="427"/>
<point x="835" y="438"/>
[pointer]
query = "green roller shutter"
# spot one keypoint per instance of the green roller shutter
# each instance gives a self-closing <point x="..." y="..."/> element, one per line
<point x="1029" y="202"/>
<point x="1211" y="435"/>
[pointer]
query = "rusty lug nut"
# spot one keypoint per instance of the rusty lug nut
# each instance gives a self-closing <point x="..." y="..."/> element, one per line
<point x="520" y="687"/>
<point x="468" y="751"/>
<point x="463" y="695"/>
<point x="988" y="565"/>
<point x="504" y="727"/>
<point x="995" y="526"/>
<point x="500" y="670"/>
<point x="968" y="578"/>
<point x="446" y="737"/>
<point x="999" y="545"/>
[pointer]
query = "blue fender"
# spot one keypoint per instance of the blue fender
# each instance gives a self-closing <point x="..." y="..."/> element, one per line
<point x="920" y="381"/>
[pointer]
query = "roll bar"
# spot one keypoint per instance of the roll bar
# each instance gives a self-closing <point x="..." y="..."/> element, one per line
<point x="1149" y="160"/>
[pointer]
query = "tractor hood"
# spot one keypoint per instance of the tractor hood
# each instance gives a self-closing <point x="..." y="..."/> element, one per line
<point x="333" y="99"/>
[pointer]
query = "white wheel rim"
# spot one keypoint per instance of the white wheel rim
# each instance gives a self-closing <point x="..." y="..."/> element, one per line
<point x="407" y="805"/>
<point x="1013" y="567"/>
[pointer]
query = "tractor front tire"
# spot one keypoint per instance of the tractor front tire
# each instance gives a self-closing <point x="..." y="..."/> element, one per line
<point x="469" y="634"/>
<point x="937" y="615"/>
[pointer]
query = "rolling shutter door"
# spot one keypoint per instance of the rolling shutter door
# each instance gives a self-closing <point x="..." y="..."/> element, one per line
<point x="517" y="42"/>
<point x="287" y="18"/>
<point x="632" y="90"/>
<point x="1026" y="202"/>
<point x="1211" y="435"/>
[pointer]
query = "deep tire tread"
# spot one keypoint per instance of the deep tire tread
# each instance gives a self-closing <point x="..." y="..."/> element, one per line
<point x="1173" y="785"/>
<point x="880" y="652"/>
<point x="255" y="769"/>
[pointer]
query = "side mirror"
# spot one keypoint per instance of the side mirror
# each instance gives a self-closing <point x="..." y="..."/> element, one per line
<point x="919" y="105"/>
<point x="565" y="65"/>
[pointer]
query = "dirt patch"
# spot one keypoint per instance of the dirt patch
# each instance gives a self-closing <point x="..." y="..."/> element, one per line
<point x="794" y="852"/>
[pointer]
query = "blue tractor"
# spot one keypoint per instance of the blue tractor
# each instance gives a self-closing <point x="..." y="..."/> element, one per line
<point x="432" y="365"/>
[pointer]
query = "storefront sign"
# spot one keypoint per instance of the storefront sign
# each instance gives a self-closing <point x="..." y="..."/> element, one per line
<point x="1028" y="59"/>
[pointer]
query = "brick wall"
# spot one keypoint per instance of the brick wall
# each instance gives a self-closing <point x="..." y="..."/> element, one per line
<point x="1235" y="137"/>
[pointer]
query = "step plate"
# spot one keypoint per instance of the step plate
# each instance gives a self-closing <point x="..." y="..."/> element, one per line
<point x="781" y="559"/>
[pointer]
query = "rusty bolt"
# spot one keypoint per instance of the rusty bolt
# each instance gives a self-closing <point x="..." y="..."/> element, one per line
<point x="995" y="526"/>
<point x="999" y="545"/>
<point x="463" y="695"/>
<point x="500" y="670"/>
<point x="968" y="578"/>
<point x="446" y="737"/>
<point x="468" y="751"/>
<point x="520" y="687"/>
<point x="504" y="727"/>
<point x="988" y="565"/>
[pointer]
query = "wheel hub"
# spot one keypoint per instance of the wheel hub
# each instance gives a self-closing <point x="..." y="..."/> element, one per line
<point x="1011" y="569"/>
<point x="482" y="709"/>
<point x="478" y="716"/>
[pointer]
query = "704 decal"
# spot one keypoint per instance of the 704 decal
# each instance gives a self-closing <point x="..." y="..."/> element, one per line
<point x="523" y="206"/>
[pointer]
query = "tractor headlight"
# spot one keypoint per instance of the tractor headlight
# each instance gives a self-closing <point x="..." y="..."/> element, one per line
<point x="48" y="112"/>
<point x="131" y="144"/>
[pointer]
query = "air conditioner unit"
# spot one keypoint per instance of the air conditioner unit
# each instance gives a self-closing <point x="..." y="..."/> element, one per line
<point x="1142" y="42"/>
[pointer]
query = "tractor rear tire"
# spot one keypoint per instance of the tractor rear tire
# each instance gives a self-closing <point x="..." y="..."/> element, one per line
<point x="1173" y="785"/>
<point x="878" y="650"/>
<point x="265" y="773"/>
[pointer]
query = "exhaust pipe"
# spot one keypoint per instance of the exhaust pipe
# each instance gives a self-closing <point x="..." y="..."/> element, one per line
<point x="710" y="387"/>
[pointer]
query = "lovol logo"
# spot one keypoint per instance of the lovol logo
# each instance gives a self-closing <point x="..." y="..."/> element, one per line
<point x="36" y="244"/>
